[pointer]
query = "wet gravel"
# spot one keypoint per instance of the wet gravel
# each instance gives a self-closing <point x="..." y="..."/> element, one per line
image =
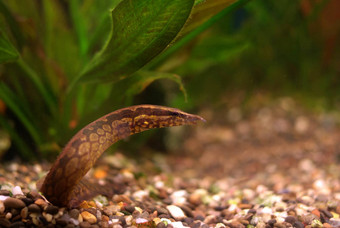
<point x="276" y="167"/>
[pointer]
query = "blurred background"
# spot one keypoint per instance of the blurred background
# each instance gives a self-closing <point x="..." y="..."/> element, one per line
<point x="261" y="51"/>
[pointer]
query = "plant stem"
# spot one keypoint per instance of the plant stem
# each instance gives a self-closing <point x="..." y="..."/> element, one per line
<point x="50" y="101"/>
<point x="7" y="96"/>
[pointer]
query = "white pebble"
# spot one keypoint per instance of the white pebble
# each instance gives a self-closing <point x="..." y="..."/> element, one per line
<point x="179" y="197"/>
<point x="176" y="212"/>
<point x="141" y="220"/>
<point x="139" y="195"/>
<point x="113" y="221"/>
<point x="220" y="225"/>
<point x="178" y="225"/>
<point x="159" y="184"/>
<point x="165" y="221"/>
<point x="3" y="198"/>
<point x="17" y="191"/>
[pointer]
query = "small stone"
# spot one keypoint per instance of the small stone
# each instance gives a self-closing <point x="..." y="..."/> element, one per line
<point x="141" y="220"/>
<point x="14" y="203"/>
<point x="85" y="225"/>
<point x="2" y="207"/>
<point x="48" y="217"/>
<point x="87" y="216"/>
<point x="175" y="212"/>
<point x="210" y="219"/>
<point x="8" y="215"/>
<point x="245" y="206"/>
<point x="4" y="192"/>
<point x="129" y="208"/>
<point x="161" y="210"/>
<point x="50" y="209"/>
<point x="24" y="212"/>
<point x="316" y="212"/>
<point x="61" y="221"/>
<point x="290" y="219"/>
<point x="177" y="225"/>
<point x="326" y="213"/>
<point x="74" y="213"/>
<point x="27" y="201"/>
<point x="34" y="195"/>
<point x="40" y="202"/>
<point x="33" y="208"/>
<point x="334" y="222"/>
<point x="17" y="191"/>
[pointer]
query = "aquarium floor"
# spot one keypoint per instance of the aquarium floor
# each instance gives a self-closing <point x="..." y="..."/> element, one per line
<point x="269" y="166"/>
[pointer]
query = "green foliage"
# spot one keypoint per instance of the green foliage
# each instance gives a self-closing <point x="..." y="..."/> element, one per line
<point x="7" y="50"/>
<point x="264" y="47"/>
<point x="66" y="62"/>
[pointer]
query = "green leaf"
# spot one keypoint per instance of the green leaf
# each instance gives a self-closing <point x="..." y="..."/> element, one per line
<point x="7" y="50"/>
<point x="141" y="30"/>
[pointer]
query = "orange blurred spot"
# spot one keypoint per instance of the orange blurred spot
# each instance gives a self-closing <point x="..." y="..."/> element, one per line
<point x="2" y="107"/>
<point x="72" y="124"/>
<point x="100" y="173"/>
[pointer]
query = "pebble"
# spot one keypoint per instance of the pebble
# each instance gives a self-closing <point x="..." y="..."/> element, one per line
<point x="2" y="207"/>
<point x="303" y="195"/>
<point x="34" y="208"/>
<point x="51" y="209"/>
<point x="176" y="212"/>
<point x="24" y="212"/>
<point x="87" y="216"/>
<point x="14" y="203"/>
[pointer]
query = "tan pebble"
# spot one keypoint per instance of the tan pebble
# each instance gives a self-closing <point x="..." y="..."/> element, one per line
<point x="80" y="218"/>
<point x="326" y="225"/>
<point x="48" y="217"/>
<point x="87" y="216"/>
<point x="128" y="220"/>
<point x="2" y="207"/>
<point x="35" y="221"/>
<point x="245" y="206"/>
<point x="8" y="215"/>
<point x="120" y="213"/>
<point x="33" y="215"/>
<point x="121" y="198"/>
<point x="335" y="215"/>
<point x="105" y="218"/>
<point x="24" y="212"/>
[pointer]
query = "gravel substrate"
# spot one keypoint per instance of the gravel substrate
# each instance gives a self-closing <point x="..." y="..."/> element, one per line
<point x="276" y="168"/>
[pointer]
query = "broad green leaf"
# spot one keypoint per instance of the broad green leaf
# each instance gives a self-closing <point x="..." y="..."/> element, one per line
<point x="7" y="50"/>
<point x="141" y="30"/>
